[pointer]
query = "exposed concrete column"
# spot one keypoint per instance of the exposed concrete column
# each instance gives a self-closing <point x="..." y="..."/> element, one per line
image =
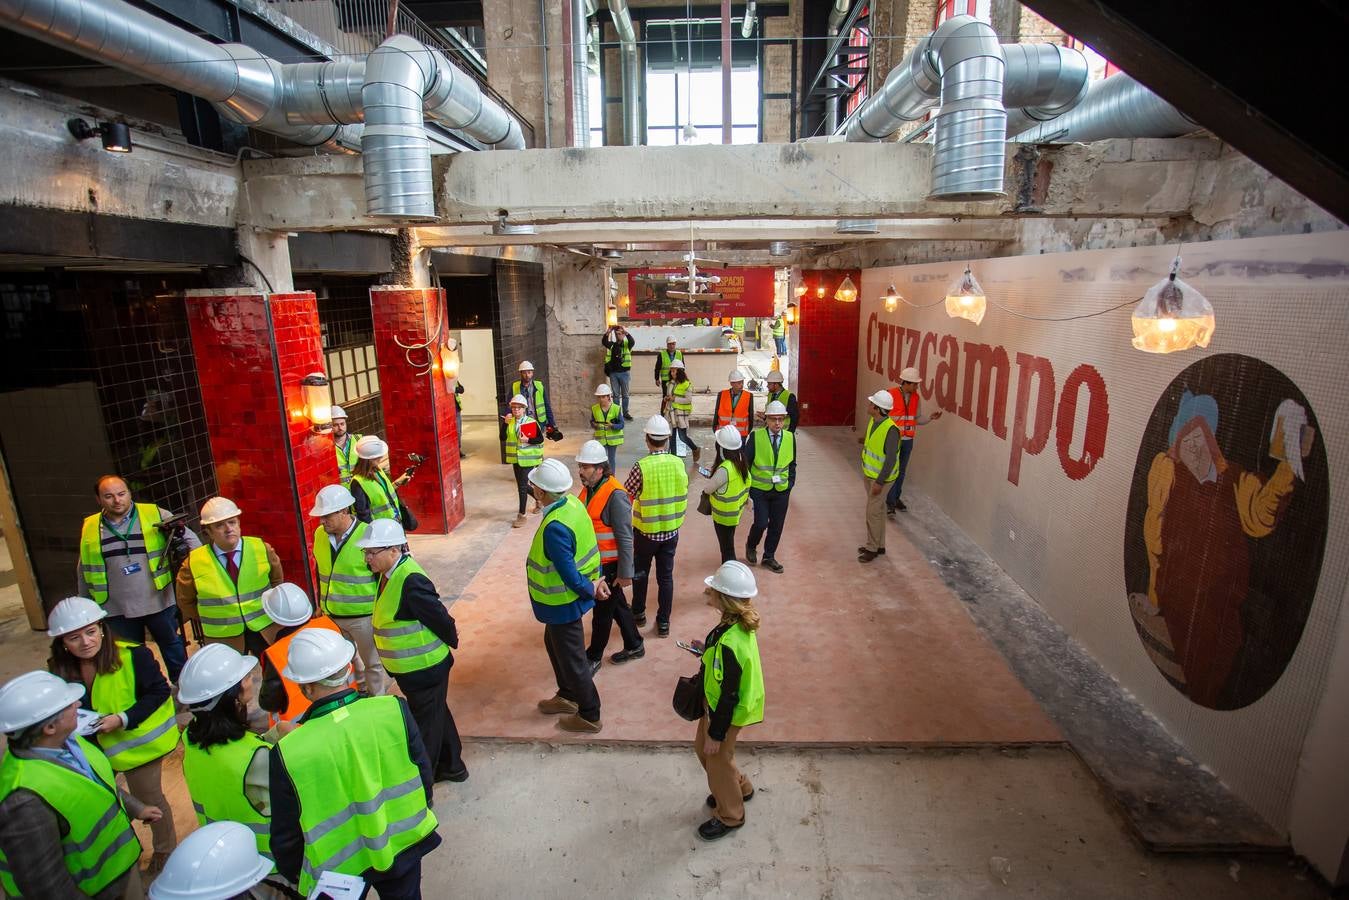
<point x="411" y="261"/>
<point x="515" y="62"/>
<point x="269" y="269"/>
<point x="574" y="301"/>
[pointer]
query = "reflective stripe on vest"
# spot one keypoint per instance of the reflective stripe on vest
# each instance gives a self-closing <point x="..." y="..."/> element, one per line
<point x="665" y="494"/>
<point x="609" y="431"/>
<point x="905" y="413"/>
<point x="361" y="797"/>
<point x="404" y="645"/>
<point x="749" y="708"/>
<point x="347" y="587"/>
<point x="729" y="502"/>
<point x="682" y="401"/>
<point x="296" y="701"/>
<point x="115" y="692"/>
<point x="604" y="535"/>
<point x="665" y="360"/>
<point x="381" y="493"/>
<point x="347" y="459"/>
<point x="779" y="327"/>
<point x="739" y="416"/>
<point x="95" y="569"/>
<point x="224" y="607"/>
<point x="99" y="845"/>
<point x="522" y="453"/>
<point x="766" y="463"/>
<point x="873" y="451"/>
<point x="539" y="411"/>
<point x="625" y="356"/>
<point x="215" y="780"/>
<point x="545" y="584"/>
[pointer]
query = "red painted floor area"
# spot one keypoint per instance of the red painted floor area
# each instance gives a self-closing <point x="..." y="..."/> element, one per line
<point x="881" y="653"/>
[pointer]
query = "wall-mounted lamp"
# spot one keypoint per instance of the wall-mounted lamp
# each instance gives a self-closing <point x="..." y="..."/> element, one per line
<point x="891" y="299"/>
<point x="801" y="289"/>
<point x="610" y="316"/>
<point x="318" y="402"/>
<point x="847" y="291"/>
<point x="116" y="135"/>
<point x="965" y="299"/>
<point x="1172" y="316"/>
<point x="793" y="314"/>
<point x="819" y="289"/>
<point x="449" y="359"/>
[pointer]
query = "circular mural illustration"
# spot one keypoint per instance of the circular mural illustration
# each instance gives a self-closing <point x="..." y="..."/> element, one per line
<point x="1226" y="529"/>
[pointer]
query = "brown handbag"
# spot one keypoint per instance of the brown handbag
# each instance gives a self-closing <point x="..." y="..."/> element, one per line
<point x="688" y="700"/>
<point x="705" y="504"/>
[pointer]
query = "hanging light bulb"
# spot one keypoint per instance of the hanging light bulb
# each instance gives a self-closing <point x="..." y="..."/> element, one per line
<point x="965" y="299"/>
<point x="1172" y="316"/>
<point x="819" y="289"/>
<point x="847" y="291"/>
<point x="611" y="316"/>
<point x="801" y="289"/>
<point x="891" y="299"/>
<point x="792" y="314"/>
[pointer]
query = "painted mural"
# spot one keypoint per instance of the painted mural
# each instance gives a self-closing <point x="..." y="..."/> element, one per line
<point x="1226" y="529"/>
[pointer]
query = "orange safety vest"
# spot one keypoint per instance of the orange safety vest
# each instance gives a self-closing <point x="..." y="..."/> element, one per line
<point x="296" y="703"/>
<point x="905" y="413"/>
<point x="603" y="533"/>
<point x="739" y="417"/>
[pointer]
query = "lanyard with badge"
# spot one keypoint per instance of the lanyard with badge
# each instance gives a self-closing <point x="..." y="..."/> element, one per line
<point x="777" y="448"/>
<point x="132" y="568"/>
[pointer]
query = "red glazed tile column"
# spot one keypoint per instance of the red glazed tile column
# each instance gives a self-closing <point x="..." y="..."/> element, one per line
<point x="418" y="409"/>
<point x="824" y="350"/>
<point x="252" y="350"/>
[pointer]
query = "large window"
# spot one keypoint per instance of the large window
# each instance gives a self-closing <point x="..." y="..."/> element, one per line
<point x="672" y="98"/>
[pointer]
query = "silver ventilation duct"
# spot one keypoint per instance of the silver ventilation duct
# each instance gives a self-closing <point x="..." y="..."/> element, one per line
<point x="838" y="14"/>
<point x="909" y="91"/>
<point x="1043" y="81"/>
<point x="968" y="145"/>
<point x="632" y="73"/>
<point x="580" y="76"/>
<point x="1115" y="107"/>
<point x="779" y="248"/>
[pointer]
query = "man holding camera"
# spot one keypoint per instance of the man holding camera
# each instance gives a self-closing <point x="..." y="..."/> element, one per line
<point x="125" y="567"/>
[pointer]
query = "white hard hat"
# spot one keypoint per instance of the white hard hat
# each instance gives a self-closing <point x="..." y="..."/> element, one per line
<point x="883" y="400"/>
<point x="736" y="375"/>
<point x="371" y="447"/>
<point x="734" y="579"/>
<point x="910" y="373"/>
<point x="315" y="654"/>
<point x="669" y="339"/>
<point x="383" y="533"/>
<point x="728" y="438"/>
<point x="72" y="614"/>
<point x="337" y="412"/>
<point x="218" y="509"/>
<point x="551" y="476"/>
<point x="592" y="453"/>
<point x="211" y="671"/>
<point x="331" y="499"/>
<point x="775" y="408"/>
<point x="34" y="697"/>
<point x="676" y="364"/>
<point x="526" y="365"/>
<point x="775" y="375"/>
<point x="657" y="426"/>
<point x="217" y="861"/>
<point x="604" y="391"/>
<point x="519" y="400"/>
<point x="287" y="604"/>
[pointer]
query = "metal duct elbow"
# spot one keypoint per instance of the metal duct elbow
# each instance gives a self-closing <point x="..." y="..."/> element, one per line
<point x="969" y="136"/>
<point x="580" y="76"/>
<point x="632" y="74"/>
<point x="397" y="152"/>
<point x="457" y="100"/>
<point x="1115" y="107"/>
<point x="1043" y="81"/>
<point x="909" y="91"/>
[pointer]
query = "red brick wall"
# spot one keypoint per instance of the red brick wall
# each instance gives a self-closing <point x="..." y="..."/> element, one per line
<point x="252" y="351"/>
<point x="823" y="370"/>
<point x="418" y="409"/>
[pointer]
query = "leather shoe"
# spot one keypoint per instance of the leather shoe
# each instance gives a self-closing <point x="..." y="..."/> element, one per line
<point x="456" y="777"/>
<point x="751" y="555"/>
<point x="595" y="665"/>
<point x="639" y="619"/>
<point x="712" y="800"/>
<point x="557" y="706"/>
<point x="623" y="656"/>
<point x="880" y="552"/>
<point x="713" y="829"/>
<point x="663" y="629"/>
<point x="772" y="565"/>
<point x="867" y="556"/>
<point x="575" y="723"/>
<point x="901" y="507"/>
<point x="627" y="417"/>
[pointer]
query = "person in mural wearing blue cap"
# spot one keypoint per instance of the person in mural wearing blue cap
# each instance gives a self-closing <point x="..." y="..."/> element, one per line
<point x="1202" y="511"/>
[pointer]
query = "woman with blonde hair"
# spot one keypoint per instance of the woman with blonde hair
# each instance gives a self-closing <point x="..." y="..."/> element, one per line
<point x="733" y="689"/>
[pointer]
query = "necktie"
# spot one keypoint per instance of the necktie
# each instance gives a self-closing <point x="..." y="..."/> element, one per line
<point x="775" y="442"/>
<point x="232" y="567"/>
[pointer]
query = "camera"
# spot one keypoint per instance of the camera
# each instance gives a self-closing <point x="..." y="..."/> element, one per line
<point x="174" y="530"/>
<point x="416" y="459"/>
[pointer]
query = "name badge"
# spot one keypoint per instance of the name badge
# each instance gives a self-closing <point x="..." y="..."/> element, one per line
<point x="131" y="569"/>
<point x="777" y="479"/>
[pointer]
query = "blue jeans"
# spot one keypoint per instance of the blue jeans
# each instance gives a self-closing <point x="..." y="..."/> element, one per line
<point x="459" y="426"/>
<point x="612" y="450"/>
<point x="905" y="448"/>
<point x="782" y="344"/>
<point x="163" y="627"/>
<point x="618" y="383"/>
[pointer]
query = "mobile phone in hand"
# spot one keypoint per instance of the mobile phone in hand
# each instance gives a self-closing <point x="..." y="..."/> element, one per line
<point x="685" y="645"/>
<point x="705" y="471"/>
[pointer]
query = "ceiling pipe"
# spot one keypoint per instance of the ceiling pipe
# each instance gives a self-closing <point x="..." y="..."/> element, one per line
<point x="1115" y="107"/>
<point x="838" y="14"/>
<point x="1043" y="82"/>
<point x="632" y="72"/>
<point x="580" y="75"/>
<point x="747" y="23"/>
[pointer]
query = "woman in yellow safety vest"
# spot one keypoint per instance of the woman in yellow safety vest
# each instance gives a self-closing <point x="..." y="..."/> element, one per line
<point x="524" y="450"/>
<point x="679" y="401"/>
<point x="375" y="492"/>
<point x="124" y="684"/>
<point x="728" y="491"/>
<point x="733" y="691"/>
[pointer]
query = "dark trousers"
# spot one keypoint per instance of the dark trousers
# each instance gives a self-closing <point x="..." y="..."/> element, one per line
<point x="431" y="711"/>
<point x="406" y="885"/>
<point x="606" y="611"/>
<point x="905" y="448"/>
<point x="644" y="552"/>
<point x="770" y="513"/>
<point x="163" y="627"/>
<point x="521" y="484"/>
<point x="726" y="540"/>
<point x="566" y="646"/>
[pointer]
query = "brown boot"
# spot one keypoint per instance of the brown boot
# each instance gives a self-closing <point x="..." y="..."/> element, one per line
<point x="519" y="521"/>
<point x="578" y="724"/>
<point x="557" y="706"/>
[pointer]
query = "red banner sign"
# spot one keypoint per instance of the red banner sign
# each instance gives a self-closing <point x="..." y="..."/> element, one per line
<point x="744" y="292"/>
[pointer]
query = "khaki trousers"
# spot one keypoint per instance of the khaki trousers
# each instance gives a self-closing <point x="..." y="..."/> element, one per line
<point x="875" y="515"/>
<point x="143" y="783"/>
<point x="727" y="784"/>
<point x="249" y="640"/>
<point x="361" y="632"/>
